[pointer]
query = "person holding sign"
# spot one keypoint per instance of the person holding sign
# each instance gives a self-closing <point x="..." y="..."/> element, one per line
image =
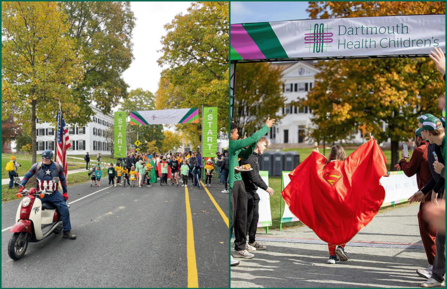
<point x="241" y="148"/>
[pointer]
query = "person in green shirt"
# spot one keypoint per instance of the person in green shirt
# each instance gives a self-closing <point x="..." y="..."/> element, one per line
<point x="185" y="172"/>
<point x="241" y="148"/>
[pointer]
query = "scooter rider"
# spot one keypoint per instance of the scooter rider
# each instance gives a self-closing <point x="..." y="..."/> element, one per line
<point x="45" y="171"/>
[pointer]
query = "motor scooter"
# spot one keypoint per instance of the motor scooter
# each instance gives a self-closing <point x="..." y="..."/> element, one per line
<point x="35" y="220"/>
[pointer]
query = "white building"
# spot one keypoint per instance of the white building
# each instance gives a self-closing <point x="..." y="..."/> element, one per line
<point x="90" y="138"/>
<point x="293" y="129"/>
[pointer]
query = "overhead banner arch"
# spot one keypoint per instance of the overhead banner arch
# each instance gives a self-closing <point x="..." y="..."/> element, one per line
<point x="362" y="37"/>
<point x="165" y="116"/>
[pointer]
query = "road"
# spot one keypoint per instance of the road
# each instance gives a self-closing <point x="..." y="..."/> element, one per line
<point x="139" y="237"/>
<point x="384" y="254"/>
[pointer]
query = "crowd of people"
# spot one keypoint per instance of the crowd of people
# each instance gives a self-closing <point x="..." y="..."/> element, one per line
<point x="427" y="162"/>
<point x="145" y="169"/>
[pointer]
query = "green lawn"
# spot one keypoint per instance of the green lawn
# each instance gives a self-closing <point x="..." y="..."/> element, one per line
<point x="25" y="162"/>
<point x="73" y="179"/>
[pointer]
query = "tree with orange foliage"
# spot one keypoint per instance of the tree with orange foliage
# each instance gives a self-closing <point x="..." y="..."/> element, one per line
<point x="384" y="94"/>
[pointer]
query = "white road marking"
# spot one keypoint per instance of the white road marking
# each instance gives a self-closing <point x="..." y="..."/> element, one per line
<point x="6" y="229"/>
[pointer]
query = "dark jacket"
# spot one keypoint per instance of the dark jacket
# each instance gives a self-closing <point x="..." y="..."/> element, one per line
<point x="437" y="181"/>
<point x="252" y="179"/>
<point x="129" y="162"/>
<point x="219" y="161"/>
<point x="87" y="158"/>
<point x="192" y="162"/>
<point x="225" y="163"/>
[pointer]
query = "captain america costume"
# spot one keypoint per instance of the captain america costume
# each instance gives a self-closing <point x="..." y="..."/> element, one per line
<point x="44" y="178"/>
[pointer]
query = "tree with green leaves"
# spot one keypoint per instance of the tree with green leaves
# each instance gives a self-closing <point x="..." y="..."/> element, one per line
<point x="384" y="95"/>
<point x="39" y="64"/>
<point x="102" y="34"/>
<point x="172" y="141"/>
<point x="139" y="100"/>
<point x="196" y="51"/>
<point x="258" y="95"/>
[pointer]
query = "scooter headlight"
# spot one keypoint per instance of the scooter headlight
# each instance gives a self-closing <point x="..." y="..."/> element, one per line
<point x="26" y="201"/>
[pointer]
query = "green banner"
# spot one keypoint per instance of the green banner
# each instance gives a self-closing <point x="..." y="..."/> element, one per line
<point x="209" y="132"/>
<point x="120" y="149"/>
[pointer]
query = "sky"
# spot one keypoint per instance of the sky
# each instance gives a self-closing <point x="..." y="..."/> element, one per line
<point x="245" y="12"/>
<point x="144" y="71"/>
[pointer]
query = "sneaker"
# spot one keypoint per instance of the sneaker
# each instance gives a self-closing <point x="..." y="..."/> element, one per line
<point x="225" y="191"/>
<point x="68" y="235"/>
<point x="177" y="185"/>
<point x="250" y="248"/>
<point x="91" y="185"/>
<point x="341" y="254"/>
<point x="115" y="186"/>
<point x="258" y="246"/>
<point x="333" y="260"/>
<point x="172" y="184"/>
<point x="234" y="262"/>
<point x="149" y="186"/>
<point x="426" y="273"/>
<point x="433" y="283"/>
<point x="243" y="254"/>
<point x="140" y="186"/>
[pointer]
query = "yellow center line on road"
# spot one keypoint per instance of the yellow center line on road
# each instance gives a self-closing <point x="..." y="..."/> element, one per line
<point x="193" y="281"/>
<point x="224" y="217"/>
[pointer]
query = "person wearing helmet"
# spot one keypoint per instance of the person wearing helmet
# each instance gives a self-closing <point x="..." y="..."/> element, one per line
<point x="45" y="171"/>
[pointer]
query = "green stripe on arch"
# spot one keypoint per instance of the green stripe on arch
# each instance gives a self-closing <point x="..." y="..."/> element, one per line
<point x="234" y="55"/>
<point x="191" y="111"/>
<point x="266" y="40"/>
<point x="140" y="117"/>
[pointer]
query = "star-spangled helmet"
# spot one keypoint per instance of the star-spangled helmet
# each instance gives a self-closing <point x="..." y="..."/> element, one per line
<point x="47" y="154"/>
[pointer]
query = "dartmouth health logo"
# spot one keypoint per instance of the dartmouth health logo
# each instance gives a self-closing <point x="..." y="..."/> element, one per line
<point x="319" y="38"/>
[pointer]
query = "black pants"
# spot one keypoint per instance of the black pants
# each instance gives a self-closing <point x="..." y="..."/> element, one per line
<point x="164" y="178"/>
<point x="185" y="179"/>
<point x="239" y="215"/>
<point x="126" y="177"/>
<point x="225" y="178"/>
<point x="439" y="264"/>
<point x="111" y="180"/>
<point x="208" y="179"/>
<point x="252" y="215"/>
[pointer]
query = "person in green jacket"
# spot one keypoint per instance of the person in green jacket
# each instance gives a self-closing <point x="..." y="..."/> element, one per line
<point x="153" y="174"/>
<point x="111" y="172"/>
<point x="241" y="148"/>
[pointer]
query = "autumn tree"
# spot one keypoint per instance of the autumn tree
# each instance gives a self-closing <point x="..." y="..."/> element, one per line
<point x="10" y="130"/>
<point x="258" y="95"/>
<point x="139" y="100"/>
<point x="196" y="51"/>
<point x="39" y="63"/>
<point x="172" y="141"/>
<point x="377" y="93"/>
<point x="102" y="34"/>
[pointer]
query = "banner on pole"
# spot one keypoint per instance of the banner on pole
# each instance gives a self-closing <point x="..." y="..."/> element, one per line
<point x="389" y="36"/>
<point x="287" y="215"/>
<point x="209" y="132"/>
<point x="165" y="116"/>
<point x="120" y="148"/>
<point x="265" y="214"/>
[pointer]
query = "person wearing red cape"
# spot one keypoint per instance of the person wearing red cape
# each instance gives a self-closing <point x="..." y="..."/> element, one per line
<point x="338" y="197"/>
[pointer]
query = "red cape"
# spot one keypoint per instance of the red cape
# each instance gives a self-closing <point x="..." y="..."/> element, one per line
<point x="159" y="171"/>
<point x="337" y="199"/>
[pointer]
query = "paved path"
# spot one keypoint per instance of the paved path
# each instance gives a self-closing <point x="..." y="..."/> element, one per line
<point x="148" y="237"/>
<point x="384" y="254"/>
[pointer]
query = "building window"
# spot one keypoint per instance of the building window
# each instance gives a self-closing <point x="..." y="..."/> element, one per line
<point x="41" y="146"/>
<point x="51" y="145"/>
<point x="301" y="133"/>
<point x="94" y="131"/>
<point x="81" y="144"/>
<point x="51" y="131"/>
<point x="302" y="86"/>
<point x="94" y="119"/>
<point x="272" y="132"/>
<point x="99" y="132"/>
<point x="94" y="145"/>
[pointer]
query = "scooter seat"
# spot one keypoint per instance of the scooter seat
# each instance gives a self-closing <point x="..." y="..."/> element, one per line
<point x="48" y="206"/>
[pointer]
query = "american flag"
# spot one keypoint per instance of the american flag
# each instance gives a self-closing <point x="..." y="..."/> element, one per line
<point x="63" y="142"/>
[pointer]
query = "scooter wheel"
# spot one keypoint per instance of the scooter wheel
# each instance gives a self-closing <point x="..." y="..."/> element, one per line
<point x="17" y="245"/>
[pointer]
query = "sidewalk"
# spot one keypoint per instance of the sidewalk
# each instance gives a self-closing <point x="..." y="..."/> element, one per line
<point x="386" y="254"/>
<point x="6" y="181"/>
